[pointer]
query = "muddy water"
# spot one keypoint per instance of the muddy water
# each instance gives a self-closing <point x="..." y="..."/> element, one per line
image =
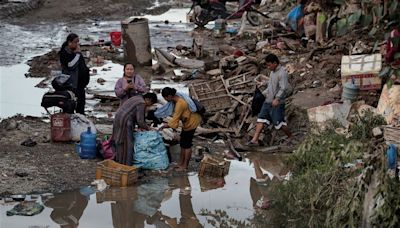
<point x="184" y="200"/>
<point x="20" y="43"/>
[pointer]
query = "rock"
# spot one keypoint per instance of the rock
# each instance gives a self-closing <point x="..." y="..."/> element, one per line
<point x="214" y="72"/>
<point x="29" y="143"/>
<point x="21" y="173"/>
<point x="101" y="80"/>
<point x="377" y="132"/>
<point x="316" y="83"/>
<point x="12" y="124"/>
<point x="158" y="69"/>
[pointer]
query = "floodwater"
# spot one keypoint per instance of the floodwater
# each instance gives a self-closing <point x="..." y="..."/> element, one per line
<point x="19" y="44"/>
<point x="17" y="93"/>
<point x="177" y="201"/>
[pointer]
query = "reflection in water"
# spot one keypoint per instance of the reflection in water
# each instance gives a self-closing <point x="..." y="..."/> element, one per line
<point x="141" y="206"/>
<point x="258" y="187"/>
<point x="188" y="217"/>
<point x="68" y="208"/>
<point x="177" y="201"/>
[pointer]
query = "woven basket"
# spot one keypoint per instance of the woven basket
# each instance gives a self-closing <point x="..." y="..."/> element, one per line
<point x="116" y="174"/>
<point x="117" y="194"/>
<point x="214" y="167"/>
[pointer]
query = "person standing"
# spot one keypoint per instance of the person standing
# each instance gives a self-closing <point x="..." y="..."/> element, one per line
<point x="190" y="121"/>
<point x="131" y="84"/>
<point x="73" y="64"/>
<point x="273" y="108"/>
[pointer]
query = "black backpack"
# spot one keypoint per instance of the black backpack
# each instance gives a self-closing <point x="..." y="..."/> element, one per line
<point x="200" y="109"/>
<point x="63" y="99"/>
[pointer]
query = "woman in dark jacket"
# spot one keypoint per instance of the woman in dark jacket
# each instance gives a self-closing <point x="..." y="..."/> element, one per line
<point x="73" y="64"/>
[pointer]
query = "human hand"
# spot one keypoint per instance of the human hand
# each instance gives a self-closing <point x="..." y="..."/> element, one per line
<point x="129" y="86"/>
<point x="275" y="102"/>
<point x="77" y="49"/>
<point x="163" y="126"/>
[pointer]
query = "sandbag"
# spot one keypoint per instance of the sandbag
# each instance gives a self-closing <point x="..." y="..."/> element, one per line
<point x="79" y="124"/>
<point x="150" y="151"/>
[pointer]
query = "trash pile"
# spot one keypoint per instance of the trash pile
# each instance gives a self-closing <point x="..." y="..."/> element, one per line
<point x="336" y="59"/>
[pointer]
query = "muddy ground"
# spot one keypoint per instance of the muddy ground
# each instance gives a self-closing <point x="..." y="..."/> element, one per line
<point x="55" y="167"/>
<point x="45" y="167"/>
<point x="78" y="10"/>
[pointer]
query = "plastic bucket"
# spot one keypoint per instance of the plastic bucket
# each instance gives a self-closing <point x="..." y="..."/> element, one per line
<point x="115" y="38"/>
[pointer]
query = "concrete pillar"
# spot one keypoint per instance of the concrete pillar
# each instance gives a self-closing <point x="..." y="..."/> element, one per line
<point x="136" y="41"/>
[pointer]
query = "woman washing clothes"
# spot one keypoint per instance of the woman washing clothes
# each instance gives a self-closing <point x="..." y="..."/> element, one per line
<point x="131" y="84"/>
<point x="182" y="109"/>
<point x="130" y="114"/>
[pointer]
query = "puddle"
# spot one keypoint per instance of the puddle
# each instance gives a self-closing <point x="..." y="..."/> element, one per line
<point x="159" y="202"/>
<point x="17" y="93"/>
<point x="27" y="42"/>
<point x="172" y="16"/>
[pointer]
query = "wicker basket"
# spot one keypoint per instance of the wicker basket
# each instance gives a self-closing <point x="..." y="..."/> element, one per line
<point x="128" y="194"/>
<point x="214" y="167"/>
<point x="116" y="174"/>
<point x="211" y="183"/>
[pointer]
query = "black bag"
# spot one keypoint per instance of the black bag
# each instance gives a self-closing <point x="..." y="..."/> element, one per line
<point x="200" y="107"/>
<point x="257" y="103"/>
<point x="63" y="99"/>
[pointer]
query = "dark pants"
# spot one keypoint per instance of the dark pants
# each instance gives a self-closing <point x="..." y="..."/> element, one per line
<point x="81" y="100"/>
<point x="186" y="141"/>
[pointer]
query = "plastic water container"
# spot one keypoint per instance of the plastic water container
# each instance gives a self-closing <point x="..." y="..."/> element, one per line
<point x="219" y="27"/>
<point x="87" y="147"/>
<point x="350" y="91"/>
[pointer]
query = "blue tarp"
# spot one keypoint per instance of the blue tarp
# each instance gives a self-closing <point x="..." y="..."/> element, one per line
<point x="150" y="151"/>
<point x="294" y="16"/>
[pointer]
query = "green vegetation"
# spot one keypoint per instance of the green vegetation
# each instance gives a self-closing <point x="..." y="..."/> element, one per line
<point x="328" y="185"/>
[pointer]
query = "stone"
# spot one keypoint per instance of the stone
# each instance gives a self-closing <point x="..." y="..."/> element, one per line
<point x="377" y="132"/>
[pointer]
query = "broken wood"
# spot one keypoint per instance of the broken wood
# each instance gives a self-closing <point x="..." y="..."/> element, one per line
<point x="201" y="130"/>
<point x="229" y="140"/>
